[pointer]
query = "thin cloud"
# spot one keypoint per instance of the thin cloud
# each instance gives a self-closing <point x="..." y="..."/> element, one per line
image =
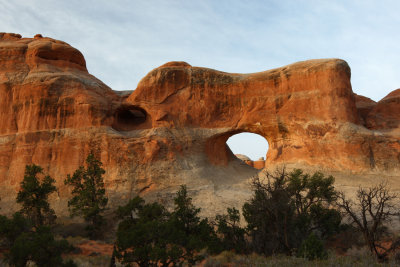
<point x="123" y="40"/>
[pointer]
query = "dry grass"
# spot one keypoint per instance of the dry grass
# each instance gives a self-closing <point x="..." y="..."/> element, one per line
<point x="358" y="258"/>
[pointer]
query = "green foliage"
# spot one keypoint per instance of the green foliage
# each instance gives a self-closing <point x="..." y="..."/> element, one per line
<point x="40" y="247"/>
<point x="88" y="193"/>
<point x="33" y="196"/>
<point x="29" y="239"/>
<point x="10" y="229"/>
<point x="312" y="248"/>
<point x="148" y="235"/>
<point x="270" y="216"/>
<point x="232" y="235"/>
<point x="190" y="231"/>
<point x="144" y="235"/>
<point x="287" y="208"/>
<point x="131" y="208"/>
<point x="26" y="243"/>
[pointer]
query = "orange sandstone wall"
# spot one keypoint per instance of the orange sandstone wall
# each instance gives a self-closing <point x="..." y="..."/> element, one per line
<point x="173" y="128"/>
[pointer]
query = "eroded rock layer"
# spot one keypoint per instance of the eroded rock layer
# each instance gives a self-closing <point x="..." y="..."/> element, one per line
<point x="173" y="128"/>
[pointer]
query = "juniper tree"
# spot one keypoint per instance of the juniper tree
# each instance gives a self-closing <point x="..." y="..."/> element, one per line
<point x="145" y="235"/>
<point x="191" y="232"/>
<point x="288" y="208"/>
<point x="27" y="236"/>
<point x="149" y="235"/>
<point x="88" y="194"/>
<point x="38" y="246"/>
<point x="23" y="243"/>
<point x="34" y="194"/>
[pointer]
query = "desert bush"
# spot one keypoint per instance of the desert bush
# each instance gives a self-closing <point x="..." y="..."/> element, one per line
<point x="359" y="253"/>
<point x="27" y="236"/>
<point x="143" y="235"/>
<point x="40" y="247"/>
<point x="287" y="207"/>
<point x="232" y="235"/>
<point x="312" y="248"/>
<point x="150" y="235"/>
<point x="11" y="228"/>
<point x="347" y="237"/>
<point x="28" y="243"/>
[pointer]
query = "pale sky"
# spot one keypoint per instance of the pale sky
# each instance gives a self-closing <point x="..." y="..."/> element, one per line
<point x="122" y="40"/>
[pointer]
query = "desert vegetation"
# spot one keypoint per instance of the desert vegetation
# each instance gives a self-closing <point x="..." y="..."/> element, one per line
<point x="291" y="213"/>
<point x="88" y="194"/>
<point x="292" y="219"/>
<point x="27" y="236"/>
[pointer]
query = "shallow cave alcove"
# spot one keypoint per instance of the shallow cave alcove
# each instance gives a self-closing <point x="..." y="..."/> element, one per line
<point x="129" y="118"/>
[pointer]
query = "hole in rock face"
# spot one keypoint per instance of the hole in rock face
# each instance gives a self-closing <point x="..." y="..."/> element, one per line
<point x="250" y="148"/>
<point x="128" y="118"/>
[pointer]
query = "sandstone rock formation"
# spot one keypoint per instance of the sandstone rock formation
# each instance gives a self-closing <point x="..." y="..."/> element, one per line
<point x="258" y="164"/>
<point x="173" y="128"/>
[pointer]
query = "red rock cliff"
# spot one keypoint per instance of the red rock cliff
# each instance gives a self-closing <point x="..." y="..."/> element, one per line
<point x="173" y="128"/>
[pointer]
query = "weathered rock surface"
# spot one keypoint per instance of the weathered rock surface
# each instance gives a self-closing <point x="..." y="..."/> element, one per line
<point x="258" y="164"/>
<point x="386" y="113"/>
<point x="173" y="128"/>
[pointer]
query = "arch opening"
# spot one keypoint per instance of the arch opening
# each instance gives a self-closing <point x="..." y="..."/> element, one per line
<point x="249" y="147"/>
<point x="128" y="118"/>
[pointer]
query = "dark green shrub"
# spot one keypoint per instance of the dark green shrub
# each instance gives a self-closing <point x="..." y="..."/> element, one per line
<point x="312" y="248"/>
<point x="40" y="247"/>
<point x="144" y="235"/>
<point x="26" y="243"/>
<point x="148" y="235"/>
<point x="10" y="229"/>
<point x="231" y="234"/>
<point x="287" y="207"/>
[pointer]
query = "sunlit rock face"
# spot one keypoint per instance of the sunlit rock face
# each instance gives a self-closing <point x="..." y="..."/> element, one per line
<point x="173" y="128"/>
<point x="258" y="164"/>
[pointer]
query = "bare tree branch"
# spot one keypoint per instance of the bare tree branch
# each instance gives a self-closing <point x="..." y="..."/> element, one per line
<point x="374" y="208"/>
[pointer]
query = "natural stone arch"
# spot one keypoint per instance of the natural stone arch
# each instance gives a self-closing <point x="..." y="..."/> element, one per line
<point x="218" y="151"/>
<point x="306" y="110"/>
